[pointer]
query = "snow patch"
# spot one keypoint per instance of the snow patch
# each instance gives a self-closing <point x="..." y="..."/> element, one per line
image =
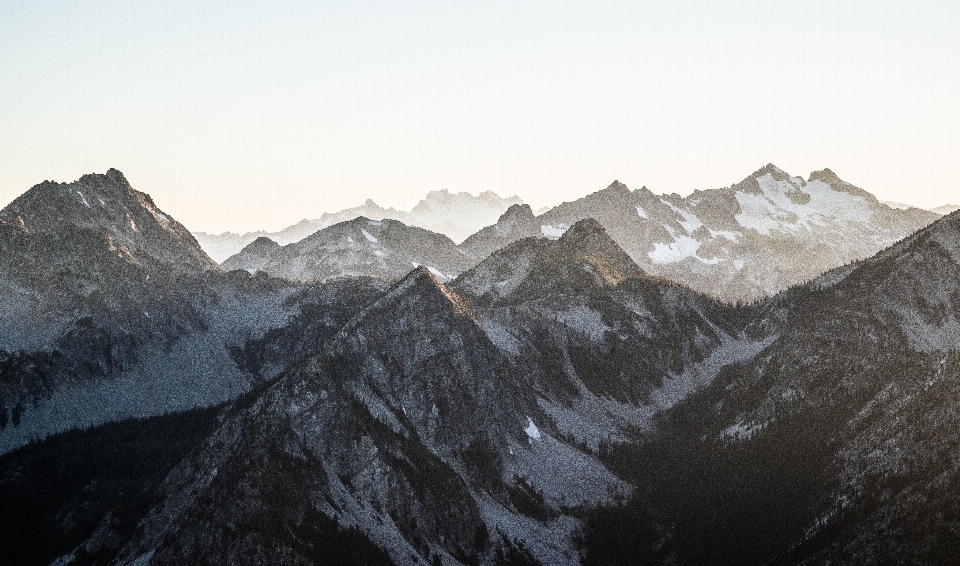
<point x="554" y="232"/>
<point x="163" y="217"/>
<point x="533" y="433"/>
<point x="690" y="221"/>
<point x="732" y="236"/>
<point x="101" y="202"/>
<point x="349" y="239"/>
<point x="681" y="248"/>
<point x="443" y="278"/>
<point x="738" y="263"/>
<point x="83" y="199"/>
<point x="378" y="253"/>
<point x="368" y="236"/>
<point x="374" y="222"/>
<point x="640" y="212"/>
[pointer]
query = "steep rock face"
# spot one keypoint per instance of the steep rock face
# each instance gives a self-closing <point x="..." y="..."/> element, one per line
<point x="409" y="427"/>
<point x="387" y="249"/>
<point x="110" y="309"/>
<point x="609" y="345"/>
<point x="95" y="214"/>
<point x="750" y="240"/>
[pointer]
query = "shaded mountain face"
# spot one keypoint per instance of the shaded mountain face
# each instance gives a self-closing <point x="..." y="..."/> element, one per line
<point x="110" y="309"/>
<point x="817" y="449"/>
<point x="408" y="426"/>
<point x="379" y="248"/>
<point x="432" y="426"/>
<point x="453" y="215"/>
<point x="747" y="241"/>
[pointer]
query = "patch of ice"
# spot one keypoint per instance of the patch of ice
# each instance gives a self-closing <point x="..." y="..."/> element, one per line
<point x="738" y="263"/>
<point x="378" y="253"/>
<point x="732" y="236"/>
<point x="533" y="433"/>
<point x="502" y="283"/>
<point x="368" y="236"/>
<point x="83" y="199"/>
<point x="690" y="221"/>
<point x="349" y="239"/>
<point x="163" y="217"/>
<point x="640" y="212"/>
<point x="554" y="232"/>
<point x="681" y="248"/>
<point x="415" y="264"/>
<point x="101" y="202"/>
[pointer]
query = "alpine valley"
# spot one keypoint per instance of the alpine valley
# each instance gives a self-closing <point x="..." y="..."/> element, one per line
<point x="767" y="373"/>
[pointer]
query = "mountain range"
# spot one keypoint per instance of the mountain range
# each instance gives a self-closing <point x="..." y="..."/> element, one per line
<point x="456" y="215"/>
<point x="551" y="390"/>
<point x="741" y="243"/>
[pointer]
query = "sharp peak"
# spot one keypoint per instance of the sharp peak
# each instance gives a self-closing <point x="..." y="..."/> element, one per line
<point x="617" y="186"/>
<point x="521" y="209"/>
<point x="771" y="169"/>
<point x="585" y="227"/>
<point x="421" y="280"/>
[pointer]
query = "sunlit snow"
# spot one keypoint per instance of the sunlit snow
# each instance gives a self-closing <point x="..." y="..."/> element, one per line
<point x="84" y="199"/>
<point x="368" y="236"/>
<point x="774" y="211"/>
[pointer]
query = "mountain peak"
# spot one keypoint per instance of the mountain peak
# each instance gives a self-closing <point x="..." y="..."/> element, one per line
<point x="836" y="183"/>
<point x="617" y="186"/>
<point x="421" y="294"/>
<point x="588" y="239"/>
<point x="107" y="206"/>
<point x="516" y="212"/>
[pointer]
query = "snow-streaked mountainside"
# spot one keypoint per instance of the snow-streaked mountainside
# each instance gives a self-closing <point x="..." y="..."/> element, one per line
<point x="456" y="215"/>
<point x="747" y="241"/>
<point x="388" y="249"/>
<point x="744" y="242"/>
<point x="110" y="309"/>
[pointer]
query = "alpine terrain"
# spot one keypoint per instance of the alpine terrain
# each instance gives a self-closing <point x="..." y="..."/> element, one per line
<point x="763" y="374"/>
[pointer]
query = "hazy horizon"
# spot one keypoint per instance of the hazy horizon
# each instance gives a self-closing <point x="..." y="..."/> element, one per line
<point x="253" y="116"/>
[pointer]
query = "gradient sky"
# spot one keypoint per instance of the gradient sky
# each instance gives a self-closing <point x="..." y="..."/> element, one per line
<point x="248" y="115"/>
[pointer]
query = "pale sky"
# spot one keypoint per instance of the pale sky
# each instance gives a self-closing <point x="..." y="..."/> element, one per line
<point x="248" y="115"/>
